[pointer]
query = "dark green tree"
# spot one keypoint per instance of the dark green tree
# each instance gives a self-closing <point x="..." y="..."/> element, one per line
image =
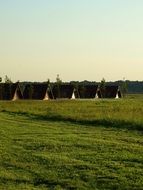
<point x="48" y="81"/>
<point x="58" y="80"/>
<point x="50" y="88"/>
<point x="103" y="87"/>
<point x="124" y="87"/>
<point x="7" y="79"/>
<point x="58" y="84"/>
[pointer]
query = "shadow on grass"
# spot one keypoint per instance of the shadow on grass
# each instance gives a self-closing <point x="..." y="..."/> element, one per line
<point x="36" y="182"/>
<point x="38" y="179"/>
<point x="108" y="123"/>
<point x="5" y="180"/>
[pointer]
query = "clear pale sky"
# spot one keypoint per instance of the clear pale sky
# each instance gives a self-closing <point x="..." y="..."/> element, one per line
<point x="77" y="39"/>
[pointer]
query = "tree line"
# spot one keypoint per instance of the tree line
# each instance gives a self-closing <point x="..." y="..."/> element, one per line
<point x="126" y="86"/>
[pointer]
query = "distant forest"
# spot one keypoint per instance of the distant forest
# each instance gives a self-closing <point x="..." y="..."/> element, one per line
<point x="127" y="86"/>
<point x="132" y="87"/>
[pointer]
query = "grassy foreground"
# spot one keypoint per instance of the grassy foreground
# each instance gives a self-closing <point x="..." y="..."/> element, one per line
<point x="72" y="144"/>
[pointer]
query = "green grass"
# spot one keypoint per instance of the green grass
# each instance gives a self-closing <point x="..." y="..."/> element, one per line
<point x="72" y="144"/>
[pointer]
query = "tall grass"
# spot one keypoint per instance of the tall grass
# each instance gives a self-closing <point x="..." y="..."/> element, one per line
<point x="126" y="112"/>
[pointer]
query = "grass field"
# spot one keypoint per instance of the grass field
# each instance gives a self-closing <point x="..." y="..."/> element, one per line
<point x="72" y="144"/>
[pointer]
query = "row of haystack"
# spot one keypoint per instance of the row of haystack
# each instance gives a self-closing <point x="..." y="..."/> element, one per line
<point x="44" y="91"/>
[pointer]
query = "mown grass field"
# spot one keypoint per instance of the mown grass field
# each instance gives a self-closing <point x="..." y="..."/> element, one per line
<point x="96" y="144"/>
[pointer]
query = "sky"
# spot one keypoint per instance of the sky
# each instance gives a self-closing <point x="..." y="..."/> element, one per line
<point x="77" y="39"/>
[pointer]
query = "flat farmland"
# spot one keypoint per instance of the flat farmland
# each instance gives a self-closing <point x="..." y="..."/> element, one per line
<point x="89" y="144"/>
